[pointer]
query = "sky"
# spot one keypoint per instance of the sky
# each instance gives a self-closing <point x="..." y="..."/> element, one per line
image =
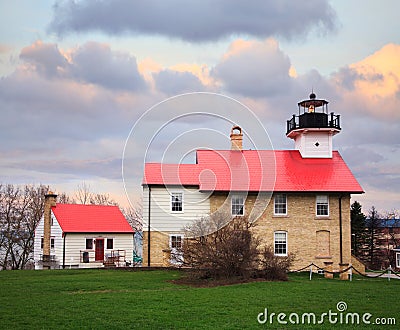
<point x="89" y="90"/>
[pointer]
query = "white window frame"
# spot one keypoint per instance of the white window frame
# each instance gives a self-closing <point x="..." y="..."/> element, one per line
<point x="52" y="243"/>
<point x="319" y="201"/>
<point x="170" y="240"/>
<point x="398" y="259"/>
<point x="276" y="204"/>
<point x="171" y="201"/>
<point x="175" y="250"/>
<point x="233" y="197"/>
<point x="281" y="242"/>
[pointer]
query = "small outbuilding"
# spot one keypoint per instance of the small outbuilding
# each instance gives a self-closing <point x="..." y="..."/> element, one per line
<point x="82" y="236"/>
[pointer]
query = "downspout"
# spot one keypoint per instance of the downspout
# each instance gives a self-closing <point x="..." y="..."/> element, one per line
<point x="148" y="230"/>
<point x="340" y="229"/>
<point x="64" y="235"/>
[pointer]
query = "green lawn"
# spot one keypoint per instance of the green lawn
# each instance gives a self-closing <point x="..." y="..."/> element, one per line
<point x="146" y="299"/>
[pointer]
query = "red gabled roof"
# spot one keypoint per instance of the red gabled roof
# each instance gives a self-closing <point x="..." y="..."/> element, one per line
<point x="256" y="170"/>
<point x="172" y="174"/>
<point x="78" y="218"/>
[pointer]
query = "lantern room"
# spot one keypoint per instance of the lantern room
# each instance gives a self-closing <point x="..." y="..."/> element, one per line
<point x="312" y="129"/>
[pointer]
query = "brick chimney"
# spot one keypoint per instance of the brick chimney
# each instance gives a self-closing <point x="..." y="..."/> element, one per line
<point x="49" y="201"/>
<point x="236" y="138"/>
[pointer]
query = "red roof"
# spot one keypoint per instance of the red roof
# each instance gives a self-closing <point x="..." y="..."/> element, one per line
<point x="256" y="170"/>
<point x="78" y="218"/>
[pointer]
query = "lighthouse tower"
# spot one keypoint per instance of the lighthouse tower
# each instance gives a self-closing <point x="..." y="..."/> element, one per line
<point x="312" y="129"/>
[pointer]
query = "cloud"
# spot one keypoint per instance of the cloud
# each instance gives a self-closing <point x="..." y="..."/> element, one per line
<point x="56" y="113"/>
<point x="101" y="167"/>
<point x="92" y="63"/>
<point x="254" y="68"/>
<point x="361" y="155"/>
<point x="63" y="119"/>
<point x="371" y="86"/>
<point x="4" y="48"/>
<point x="348" y="77"/>
<point x="46" y="58"/>
<point x="174" y="82"/>
<point x="206" y="20"/>
<point x="374" y="166"/>
<point x="96" y="63"/>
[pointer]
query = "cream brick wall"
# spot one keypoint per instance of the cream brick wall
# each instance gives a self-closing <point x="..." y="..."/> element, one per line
<point x="300" y="223"/>
<point x="159" y="248"/>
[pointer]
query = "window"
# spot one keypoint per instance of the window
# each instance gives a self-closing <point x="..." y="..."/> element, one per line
<point x="175" y="241"/>
<point x="280" y="243"/>
<point x="176" y="244"/>
<point x="110" y="243"/>
<point x="280" y="204"/>
<point x="176" y="202"/>
<point x="322" y="205"/>
<point x="237" y="205"/>
<point x="89" y="243"/>
<point x="51" y="243"/>
<point x="398" y="259"/>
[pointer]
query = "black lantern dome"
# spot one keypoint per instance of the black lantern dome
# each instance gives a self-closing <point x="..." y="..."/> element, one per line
<point x="313" y="113"/>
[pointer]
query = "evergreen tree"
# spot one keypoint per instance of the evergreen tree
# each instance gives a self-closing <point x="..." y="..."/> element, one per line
<point x="357" y="229"/>
<point x="373" y="223"/>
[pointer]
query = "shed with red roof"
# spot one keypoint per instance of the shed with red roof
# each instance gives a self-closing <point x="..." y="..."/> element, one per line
<point x="84" y="236"/>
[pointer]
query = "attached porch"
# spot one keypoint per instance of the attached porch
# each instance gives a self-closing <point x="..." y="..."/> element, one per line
<point x="112" y="258"/>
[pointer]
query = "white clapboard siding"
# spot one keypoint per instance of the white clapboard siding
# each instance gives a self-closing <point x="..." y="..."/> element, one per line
<point x="315" y="144"/>
<point x="56" y="233"/>
<point x="75" y="243"/>
<point x="195" y="205"/>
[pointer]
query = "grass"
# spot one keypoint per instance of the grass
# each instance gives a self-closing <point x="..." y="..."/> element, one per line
<point x="116" y="299"/>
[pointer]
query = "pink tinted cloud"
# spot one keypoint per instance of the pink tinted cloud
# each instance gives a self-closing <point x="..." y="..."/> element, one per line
<point x="372" y="85"/>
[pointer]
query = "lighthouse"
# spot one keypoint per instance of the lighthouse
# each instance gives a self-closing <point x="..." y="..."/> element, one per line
<point x="313" y="128"/>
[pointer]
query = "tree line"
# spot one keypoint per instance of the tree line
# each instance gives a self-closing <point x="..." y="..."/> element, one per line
<point x="21" y="209"/>
<point x="374" y="236"/>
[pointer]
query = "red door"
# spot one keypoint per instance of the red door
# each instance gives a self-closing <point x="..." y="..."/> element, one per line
<point x="99" y="252"/>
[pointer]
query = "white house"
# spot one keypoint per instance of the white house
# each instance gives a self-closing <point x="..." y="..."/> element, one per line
<point x="82" y="236"/>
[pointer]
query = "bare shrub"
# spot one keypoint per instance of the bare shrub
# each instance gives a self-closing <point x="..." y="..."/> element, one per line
<point x="272" y="267"/>
<point x="218" y="247"/>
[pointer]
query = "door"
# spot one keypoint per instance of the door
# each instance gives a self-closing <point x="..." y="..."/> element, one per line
<point x="99" y="251"/>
